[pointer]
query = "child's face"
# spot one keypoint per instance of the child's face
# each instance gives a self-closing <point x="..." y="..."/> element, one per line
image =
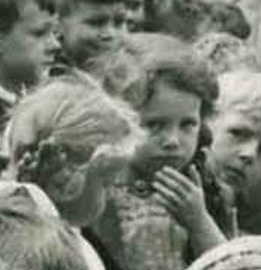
<point x="135" y="13"/>
<point x="172" y="118"/>
<point x="236" y="149"/>
<point x="93" y="28"/>
<point x="29" y="49"/>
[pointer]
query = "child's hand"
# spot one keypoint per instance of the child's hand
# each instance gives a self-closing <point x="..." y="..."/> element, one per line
<point x="41" y="161"/>
<point x="182" y="196"/>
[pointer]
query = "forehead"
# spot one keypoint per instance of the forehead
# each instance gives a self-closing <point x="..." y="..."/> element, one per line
<point x="32" y="15"/>
<point x="84" y="9"/>
<point x="237" y="118"/>
<point x="169" y="101"/>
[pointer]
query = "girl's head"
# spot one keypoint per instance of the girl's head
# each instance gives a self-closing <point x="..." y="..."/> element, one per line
<point x="31" y="239"/>
<point x="179" y="99"/>
<point x="174" y="93"/>
<point x="69" y="138"/>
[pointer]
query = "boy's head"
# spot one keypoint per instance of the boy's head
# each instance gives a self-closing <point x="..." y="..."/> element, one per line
<point x="79" y="138"/>
<point x="33" y="240"/>
<point x="91" y="27"/>
<point x="28" y="41"/>
<point x="237" y="132"/>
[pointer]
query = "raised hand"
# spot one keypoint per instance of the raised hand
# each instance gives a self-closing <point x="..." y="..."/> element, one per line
<point x="41" y="161"/>
<point x="182" y="195"/>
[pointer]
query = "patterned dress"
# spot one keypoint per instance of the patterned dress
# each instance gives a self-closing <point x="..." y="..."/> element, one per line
<point x="139" y="234"/>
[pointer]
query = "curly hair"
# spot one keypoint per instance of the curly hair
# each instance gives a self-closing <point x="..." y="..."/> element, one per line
<point x="150" y="57"/>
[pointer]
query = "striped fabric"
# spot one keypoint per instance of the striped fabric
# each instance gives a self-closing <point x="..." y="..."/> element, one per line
<point x="243" y="253"/>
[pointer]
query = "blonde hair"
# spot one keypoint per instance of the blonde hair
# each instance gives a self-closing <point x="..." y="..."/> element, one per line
<point x="240" y="91"/>
<point x="73" y="110"/>
<point x="30" y="239"/>
<point x="91" y="128"/>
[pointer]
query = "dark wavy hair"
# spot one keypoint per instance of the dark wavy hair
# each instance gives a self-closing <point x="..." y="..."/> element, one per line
<point x="188" y="75"/>
<point x="157" y="56"/>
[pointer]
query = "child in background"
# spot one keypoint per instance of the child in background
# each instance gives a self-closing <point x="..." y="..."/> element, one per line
<point x="235" y="153"/>
<point x="225" y="53"/>
<point x="71" y="138"/>
<point x="174" y="95"/>
<point x="31" y="237"/>
<point x="28" y="48"/>
<point x="190" y="19"/>
<point x="91" y="27"/>
<point x="135" y="14"/>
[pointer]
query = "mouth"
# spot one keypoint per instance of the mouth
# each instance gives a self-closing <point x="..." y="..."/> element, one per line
<point x="234" y="177"/>
<point x="49" y="62"/>
<point x="172" y="161"/>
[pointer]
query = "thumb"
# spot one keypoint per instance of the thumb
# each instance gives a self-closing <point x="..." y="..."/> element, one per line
<point x="195" y="176"/>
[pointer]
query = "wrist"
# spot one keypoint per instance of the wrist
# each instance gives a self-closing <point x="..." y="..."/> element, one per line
<point x="199" y="226"/>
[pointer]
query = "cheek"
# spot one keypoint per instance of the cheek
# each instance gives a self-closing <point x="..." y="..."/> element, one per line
<point x="189" y="145"/>
<point x="222" y="148"/>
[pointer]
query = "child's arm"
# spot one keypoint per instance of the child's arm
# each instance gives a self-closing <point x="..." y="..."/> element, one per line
<point x="184" y="198"/>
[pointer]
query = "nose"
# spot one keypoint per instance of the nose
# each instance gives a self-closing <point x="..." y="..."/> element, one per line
<point x="248" y="151"/>
<point x="109" y="32"/>
<point x="171" y="139"/>
<point x="53" y="43"/>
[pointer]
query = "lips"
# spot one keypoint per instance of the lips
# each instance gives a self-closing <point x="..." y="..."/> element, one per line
<point x="173" y="161"/>
<point x="234" y="176"/>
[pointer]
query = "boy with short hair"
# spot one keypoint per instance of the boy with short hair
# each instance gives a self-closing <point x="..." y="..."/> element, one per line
<point x="91" y="27"/>
<point x="235" y="153"/>
<point x="28" y="41"/>
<point x="28" y="47"/>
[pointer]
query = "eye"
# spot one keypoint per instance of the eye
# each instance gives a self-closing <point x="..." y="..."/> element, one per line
<point x="96" y="22"/>
<point x="155" y="126"/>
<point x="189" y="124"/>
<point x="239" y="133"/>
<point x="119" y="21"/>
<point x="40" y="32"/>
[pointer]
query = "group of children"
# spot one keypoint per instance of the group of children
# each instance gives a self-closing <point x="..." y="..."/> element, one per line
<point x="125" y="150"/>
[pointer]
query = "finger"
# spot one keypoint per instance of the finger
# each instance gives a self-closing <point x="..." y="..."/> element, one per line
<point x="180" y="178"/>
<point x="171" y="184"/>
<point x="165" y="203"/>
<point x="170" y="196"/>
<point x="195" y="176"/>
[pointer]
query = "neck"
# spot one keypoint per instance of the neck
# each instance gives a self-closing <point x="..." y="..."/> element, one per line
<point x="10" y="85"/>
